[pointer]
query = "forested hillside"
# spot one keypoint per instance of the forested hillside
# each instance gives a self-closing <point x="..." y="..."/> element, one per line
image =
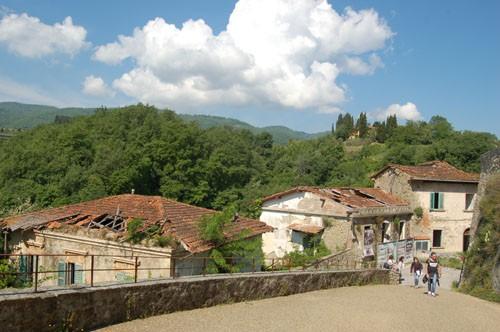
<point x="157" y="153"/>
<point x="281" y="134"/>
<point x="17" y="115"/>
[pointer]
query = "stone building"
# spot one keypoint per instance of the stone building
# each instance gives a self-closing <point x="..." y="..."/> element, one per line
<point x="445" y="197"/>
<point x="169" y="230"/>
<point x="344" y="218"/>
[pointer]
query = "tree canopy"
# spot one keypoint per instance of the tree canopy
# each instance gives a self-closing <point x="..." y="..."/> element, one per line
<point x="157" y="153"/>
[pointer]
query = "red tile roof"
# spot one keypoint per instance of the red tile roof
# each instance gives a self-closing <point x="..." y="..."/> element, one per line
<point x="433" y="171"/>
<point x="308" y="229"/>
<point x="178" y="219"/>
<point x="351" y="197"/>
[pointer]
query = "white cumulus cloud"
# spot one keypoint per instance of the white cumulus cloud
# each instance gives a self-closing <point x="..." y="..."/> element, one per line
<point x="95" y="86"/>
<point x="29" y="37"/>
<point x="282" y="52"/>
<point x="408" y="111"/>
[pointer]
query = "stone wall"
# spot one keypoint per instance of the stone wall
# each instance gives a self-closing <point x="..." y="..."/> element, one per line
<point x="91" y="308"/>
<point x="154" y="263"/>
<point x="490" y="164"/>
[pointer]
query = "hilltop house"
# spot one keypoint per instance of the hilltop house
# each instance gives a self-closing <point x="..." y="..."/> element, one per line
<point x="344" y="218"/>
<point x="99" y="228"/>
<point x="444" y="194"/>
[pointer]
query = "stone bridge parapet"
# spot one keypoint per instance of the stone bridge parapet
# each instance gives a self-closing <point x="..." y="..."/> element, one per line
<point x="90" y="308"/>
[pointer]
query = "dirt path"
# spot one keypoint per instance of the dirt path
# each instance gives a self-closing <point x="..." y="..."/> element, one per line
<point x="368" y="308"/>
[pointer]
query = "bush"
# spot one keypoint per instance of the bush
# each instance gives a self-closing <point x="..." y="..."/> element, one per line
<point x="134" y="231"/>
<point x="308" y="255"/>
<point x="164" y="241"/>
<point x="229" y="256"/>
<point x="419" y="212"/>
<point x="451" y="262"/>
<point x="7" y="280"/>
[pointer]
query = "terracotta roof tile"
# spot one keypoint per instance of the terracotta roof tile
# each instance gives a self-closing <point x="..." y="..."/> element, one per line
<point x="350" y="197"/>
<point x="179" y="220"/>
<point x="433" y="171"/>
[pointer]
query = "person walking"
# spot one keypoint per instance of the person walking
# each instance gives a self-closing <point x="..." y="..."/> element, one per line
<point x="433" y="272"/>
<point x="416" y="268"/>
<point x="400" y="268"/>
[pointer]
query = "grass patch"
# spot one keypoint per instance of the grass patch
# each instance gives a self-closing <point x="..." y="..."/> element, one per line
<point x="451" y="262"/>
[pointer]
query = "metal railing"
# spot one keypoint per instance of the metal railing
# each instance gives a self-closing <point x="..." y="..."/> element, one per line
<point x="94" y="264"/>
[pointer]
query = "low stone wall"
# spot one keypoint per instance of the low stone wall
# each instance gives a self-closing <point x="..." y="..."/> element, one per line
<point x="90" y="308"/>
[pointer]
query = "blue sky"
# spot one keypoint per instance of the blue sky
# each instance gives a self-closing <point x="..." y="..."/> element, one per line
<point x="415" y="59"/>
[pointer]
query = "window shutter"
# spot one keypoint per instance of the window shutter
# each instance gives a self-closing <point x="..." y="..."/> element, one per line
<point x="431" y="202"/>
<point x="23" y="264"/>
<point x="78" y="274"/>
<point x="61" y="273"/>
<point x="441" y="195"/>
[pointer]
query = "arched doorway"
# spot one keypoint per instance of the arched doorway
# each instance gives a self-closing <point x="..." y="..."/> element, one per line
<point x="466" y="239"/>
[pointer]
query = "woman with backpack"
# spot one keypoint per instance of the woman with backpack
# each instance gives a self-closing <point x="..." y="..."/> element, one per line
<point x="416" y="268"/>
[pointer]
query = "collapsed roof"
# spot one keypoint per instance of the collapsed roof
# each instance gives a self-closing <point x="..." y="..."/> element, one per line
<point x="350" y="197"/>
<point x="179" y="220"/>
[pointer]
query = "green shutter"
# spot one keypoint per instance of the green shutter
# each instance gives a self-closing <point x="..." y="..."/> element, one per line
<point x="431" y="204"/>
<point x="78" y="274"/>
<point x="61" y="273"/>
<point x="23" y="264"/>
<point x="441" y="195"/>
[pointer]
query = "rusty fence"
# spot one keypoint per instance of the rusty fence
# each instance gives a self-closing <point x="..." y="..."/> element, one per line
<point x="22" y="272"/>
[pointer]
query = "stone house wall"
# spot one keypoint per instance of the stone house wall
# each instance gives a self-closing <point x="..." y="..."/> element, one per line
<point x="307" y="209"/>
<point x="310" y="209"/>
<point x="79" y="248"/>
<point x="453" y="220"/>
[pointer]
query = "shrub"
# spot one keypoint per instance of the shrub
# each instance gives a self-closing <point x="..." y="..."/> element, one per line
<point x="308" y="255"/>
<point x="6" y="280"/>
<point x="134" y="230"/>
<point x="164" y="241"/>
<point x="419" y="212"/>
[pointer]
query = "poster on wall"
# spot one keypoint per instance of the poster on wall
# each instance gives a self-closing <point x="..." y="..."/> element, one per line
<point x="409" y="250"/>
<point x="369" y="238"/>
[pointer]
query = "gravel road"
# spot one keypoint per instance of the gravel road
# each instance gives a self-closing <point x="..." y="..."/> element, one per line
<point x="367" y="308"/>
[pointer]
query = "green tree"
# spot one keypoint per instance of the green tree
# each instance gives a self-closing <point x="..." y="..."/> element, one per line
<point x="362" y="125"/>
<point x="391" y="124"/>
<point x="440" y="127"/>
<point x="344" y="126"/>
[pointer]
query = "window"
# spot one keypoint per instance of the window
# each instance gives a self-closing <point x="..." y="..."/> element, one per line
<point x="436" y="238"/>
<point x="468" y="201"/>
<point x="422" y="245"/>
<point x="26" y="267"/>
<point x="305" y="240"/>
<point x="69" y="274"/>
<point x="436" y="201"/>
<point x="401" y="230"/>
<point x="385" y="227"/>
